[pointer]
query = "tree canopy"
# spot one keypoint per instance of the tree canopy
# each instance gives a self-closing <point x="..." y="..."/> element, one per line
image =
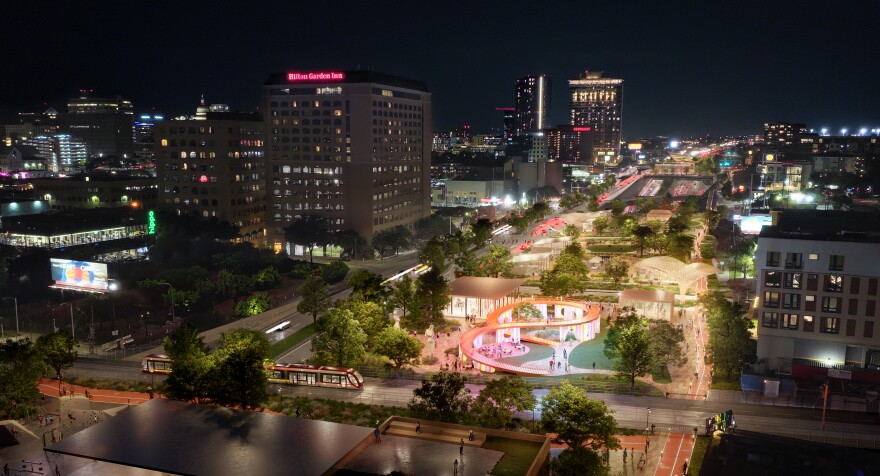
<point x="441" y="397"/>
<point x="666" y="341"/>
<point x="189" y="354"/>
<point x="315" y="297"/>
<point x="501" y="398"/>
<point x="309" y="231"/>
<point x="398" y="346"/>
<point x="20" y="366"/>
<point x="58" y="350"/>
<point x="339" y="339"/>
<point x="576" y="419"/>
<point x="237" y="377"/>
<point x="729" y="337"/>
<point x="634" y="357"/>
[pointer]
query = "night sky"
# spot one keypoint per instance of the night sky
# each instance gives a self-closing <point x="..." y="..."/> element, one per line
<point x="714" y="67"/>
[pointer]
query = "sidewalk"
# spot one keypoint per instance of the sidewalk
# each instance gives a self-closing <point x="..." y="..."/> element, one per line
<point x="49" y="388"/>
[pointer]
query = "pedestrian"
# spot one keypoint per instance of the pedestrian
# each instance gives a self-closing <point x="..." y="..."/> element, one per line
<point x="647" y="444"/>
<point x="40" y="418"/>
<point x="461" y="447"/>
<point x="6" y="469"/>
<point x="624" y="455"/>
<point x="418" y="427"/>
<point x="297" y="412"/>
<point x="652" y="428"/>
<point x="72" y="391"/>
<point x="471" y="435"/>
<point x="684" y="467"/>
<point x="377" y="435"/>
<point x="564" y="354"/>
<point x="51" y="420"/>
<point x="455" y="468"/>
<point x="594" y="365"/>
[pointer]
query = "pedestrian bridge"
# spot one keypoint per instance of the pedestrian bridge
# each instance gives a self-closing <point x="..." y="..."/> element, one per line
<point x="576" y="320"/>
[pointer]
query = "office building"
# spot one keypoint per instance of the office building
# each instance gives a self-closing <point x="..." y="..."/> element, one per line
<point x="818" y="276"/>
<point x="352" y="146"/>
<point x="213" y="169"/>
<point x="508" y="118"/>
<point x="105" y="124"/>
<point x="97" y="190"/>
<point x="144" y="135"/>
<point x="782" y="134"/>
<point x="597" y="103"/>
<point x="532" y="100"/>
<point x="61" y="152"/>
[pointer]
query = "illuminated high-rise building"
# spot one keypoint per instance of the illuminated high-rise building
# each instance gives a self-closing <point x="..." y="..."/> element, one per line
<point x="105" y="124"/>
<point x="597" y="103"/>
<point x="509" y="124"/>
<point x="532" y="104"/>
<point x="352" y="146"/>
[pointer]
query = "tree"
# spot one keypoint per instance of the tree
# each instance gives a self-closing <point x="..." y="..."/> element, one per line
<point x="257" y="303"/>
<point x="371" y="315"/>
<point x="571" y="230"/>
<point x="188" y="379"/>
<point x="617" y="206"/>
<point x="431" y="227"/>
<point x="432" y="254"/>
<point x="666" y="343"/>
<point x="334" y="272"/>
<point x="642" y="234"/>
<point x="600" y="224"/>
<point x="482" y="231"/>
<point x="729" y="338"/>
<point x="520" y="222"/>
<point x="634" y="357"/>
<point x="403" y="294"/>
<point x="237" y="377"/>
<point x="561" y="284"/>
<point x="367" y="286"/>
<point x="433" y="292"/>
<point x="309" y="231"/>
<point x="616" y="269"/>
<point x="315" y="297"/>
<point x="644" y="204"/>
<point x="391" y="240"/>
<point x="576" y="419"/>
<point x="500" y="399"/>
<point x="267" y="278"/>
<point x="58" y="351"/>
<point x="398" y="346"/>
<point x="627" y="317"/>
<point x="442" y="397"/>
<point x="21" y="364"/>
<point x="339" y="339"/>
<point x="579" y="462"/>
<point x="497" y="261"/>
<point x="352" y="243"/>
<point x="681" y="246"/>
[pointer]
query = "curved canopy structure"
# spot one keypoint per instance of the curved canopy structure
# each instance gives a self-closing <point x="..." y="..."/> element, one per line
<point x="688" y="276"/>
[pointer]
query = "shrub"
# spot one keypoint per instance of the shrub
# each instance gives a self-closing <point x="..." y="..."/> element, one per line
<point x="257" y="303"/>
<point x="334" y="272"/>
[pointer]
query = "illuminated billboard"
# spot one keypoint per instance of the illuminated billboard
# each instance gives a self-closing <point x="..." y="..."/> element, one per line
<point x="752" y="224"/>
<point x="82" y="275"/>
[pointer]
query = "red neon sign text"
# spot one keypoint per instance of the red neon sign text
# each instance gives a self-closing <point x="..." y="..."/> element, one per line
<point x="328" y="76"/>
<point x="581" y="129"/>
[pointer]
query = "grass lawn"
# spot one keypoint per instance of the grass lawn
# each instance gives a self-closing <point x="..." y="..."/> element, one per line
<point x="536" y="352"/>
<point x="696" y="462"/>
<point x="518" y="455"/>
<point x="588" y="352"/>
<point x="660" y="375"/>
<point x="293" y="339"/>
<point x="720" y="382"/>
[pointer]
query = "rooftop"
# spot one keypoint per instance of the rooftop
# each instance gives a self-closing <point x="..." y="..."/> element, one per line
<point x="360" y="76"/>
<point x="73" y="221"/>
<point x="184" y="438"/>
<point x="825" y="225"/>
<point x="484" y="288"/>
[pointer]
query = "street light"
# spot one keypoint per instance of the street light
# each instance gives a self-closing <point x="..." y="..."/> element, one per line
<point x="72" y="329"/>
<point x="14" y="299"/>
<point x="171" y="295"/>
<point x="647" y="428"/>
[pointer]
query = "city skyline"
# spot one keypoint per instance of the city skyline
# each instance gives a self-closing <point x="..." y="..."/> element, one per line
<point x="717" y="69"/>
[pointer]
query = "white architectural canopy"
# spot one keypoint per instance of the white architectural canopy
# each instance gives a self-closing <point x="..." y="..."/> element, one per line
<point x="688" y="276"/>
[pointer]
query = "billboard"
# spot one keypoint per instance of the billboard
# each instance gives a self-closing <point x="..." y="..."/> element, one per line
<point x="82" y="275"/>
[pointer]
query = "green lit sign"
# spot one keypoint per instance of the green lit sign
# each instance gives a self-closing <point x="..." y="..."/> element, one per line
<point x="151" y="222"/>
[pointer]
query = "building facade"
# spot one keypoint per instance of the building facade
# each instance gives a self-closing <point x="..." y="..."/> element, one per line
<point x="779" y="134"/>
<point x="105" y="124"/>
<point x="597" y="102"/>
<point x="352" y="146"/>
<point x="97" y="190"/>
<point x="62" y="152"/>
<point x="214" y="169"/>
<point x="532" y="103"/>
<point x="818" y="290"/>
